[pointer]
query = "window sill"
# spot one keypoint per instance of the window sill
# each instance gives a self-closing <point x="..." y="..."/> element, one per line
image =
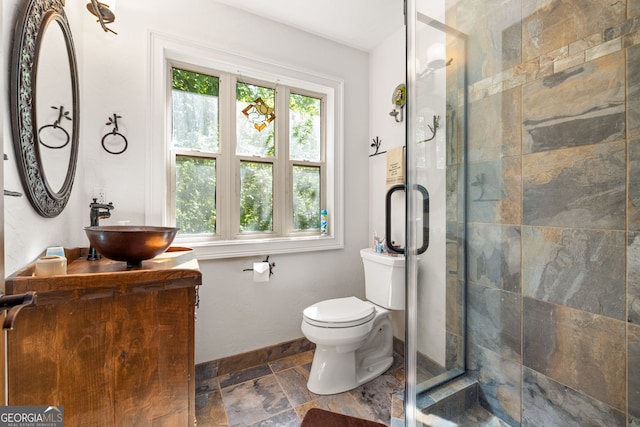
<point x="245" y="248"/>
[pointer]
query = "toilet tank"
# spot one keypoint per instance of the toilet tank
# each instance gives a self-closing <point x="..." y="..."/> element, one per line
<point x="384" y="278"/>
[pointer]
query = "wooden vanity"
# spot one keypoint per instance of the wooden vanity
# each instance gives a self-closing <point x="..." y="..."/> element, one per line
<point x="115" y="347"/>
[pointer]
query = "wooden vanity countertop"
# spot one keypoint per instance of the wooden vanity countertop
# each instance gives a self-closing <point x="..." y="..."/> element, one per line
<point x="173" y="269"/>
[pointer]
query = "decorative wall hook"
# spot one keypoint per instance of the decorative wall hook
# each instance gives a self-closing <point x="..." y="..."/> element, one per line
<point x="433" y="129"/>
<point x="62" y="114"/>
<point x="377" y="142"/>
<point x="399" y="99"/>
<point x="113" y="121"/>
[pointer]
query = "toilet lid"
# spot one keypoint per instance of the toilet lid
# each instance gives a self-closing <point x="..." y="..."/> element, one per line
<point x="346" y="312"/>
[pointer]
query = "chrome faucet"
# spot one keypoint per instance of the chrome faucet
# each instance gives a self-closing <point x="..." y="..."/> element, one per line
<point x="98" y="211"/>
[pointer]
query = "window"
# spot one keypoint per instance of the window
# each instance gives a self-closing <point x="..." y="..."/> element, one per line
<point x="270" y="167"/>
<point x="253" y="153"/>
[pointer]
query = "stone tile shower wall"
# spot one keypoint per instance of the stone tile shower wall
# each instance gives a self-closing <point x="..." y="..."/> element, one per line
<point x="554" y="208"/>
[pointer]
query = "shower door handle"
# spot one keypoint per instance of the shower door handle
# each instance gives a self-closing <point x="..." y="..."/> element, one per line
<point x="425" y="220"/>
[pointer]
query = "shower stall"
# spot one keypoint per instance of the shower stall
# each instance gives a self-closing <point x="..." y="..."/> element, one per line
<point x="523" y="124"/>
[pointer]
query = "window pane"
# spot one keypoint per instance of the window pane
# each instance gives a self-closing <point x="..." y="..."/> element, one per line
<point x="195" y="195"/>
<point x="249" y="118"/>
<point x="304" y="128"/>
<point x="256" y="196"/>
<point x="195" y="110"/>
<point x="306" y="198"/>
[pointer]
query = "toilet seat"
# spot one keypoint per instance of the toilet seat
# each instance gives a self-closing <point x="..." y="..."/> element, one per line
<point x="339" y="313"/>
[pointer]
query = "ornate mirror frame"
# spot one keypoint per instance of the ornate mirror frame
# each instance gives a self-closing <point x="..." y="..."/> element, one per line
<point x="30" y="29"/>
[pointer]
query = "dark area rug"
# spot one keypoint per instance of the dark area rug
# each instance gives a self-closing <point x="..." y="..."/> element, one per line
<point x="316" y="417"/>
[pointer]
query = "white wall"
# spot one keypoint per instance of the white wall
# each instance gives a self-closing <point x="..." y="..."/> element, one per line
<point x="26" y="233"/>
<point x="235" y="315"/>
<point x="386" y="71"/>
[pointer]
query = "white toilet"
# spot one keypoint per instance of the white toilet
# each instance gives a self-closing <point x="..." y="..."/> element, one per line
<point x="354" y="339"/>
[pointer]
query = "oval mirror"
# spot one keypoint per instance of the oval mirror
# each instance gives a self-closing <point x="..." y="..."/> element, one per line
<point x="44" y="105"/>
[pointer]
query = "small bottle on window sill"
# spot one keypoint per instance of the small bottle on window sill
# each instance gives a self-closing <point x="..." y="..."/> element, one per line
<point x="324" y="222"/>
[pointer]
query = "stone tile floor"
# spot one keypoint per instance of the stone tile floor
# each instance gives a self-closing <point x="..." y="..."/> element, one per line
<point x="275" y="395"/>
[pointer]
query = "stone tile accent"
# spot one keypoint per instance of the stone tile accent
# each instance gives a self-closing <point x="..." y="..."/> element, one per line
<point x="207" y="370"/>
<point x="583" y="186"/>
<point x="248" y="374"/>
<point x="595" y="114"/>
<point x="454" y="209"/>
<point x="633" y="277"/>
<point x="551" y="24"/>
<point x="548" y="403"/>
<point x="558" y="59"/>
<point x="495" y="121"/>
<point x="633" y="203"/>
<point x="585" y="43"/>
<point x="565" y="344"/>
<point x="492" y="47"/>
<point x="494" y="256"/>
<point x="495" y="191"/>
<point x="633" y="89"/>
<point x="579" y="268"/>
<point x="568" y="62"/>
<point x="453" y="242"/>
<point x="451" y="400"/>
<point x="604" y="49"/>
<point x="499" y="380"/>
<point x="455" y="306"/>
<point x="494" y="320"/>
<point x="454" y="352"/>
<point x="260" y="356"/>
<point x="292" y="361"/>
<point x="634" y="370"/>
<point x="633" y="7"/>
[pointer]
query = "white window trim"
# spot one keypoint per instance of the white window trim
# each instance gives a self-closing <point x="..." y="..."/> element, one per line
<point x="165" y="50"/>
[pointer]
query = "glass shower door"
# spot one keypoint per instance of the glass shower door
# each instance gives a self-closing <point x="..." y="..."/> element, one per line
<point x="436" y="135"/>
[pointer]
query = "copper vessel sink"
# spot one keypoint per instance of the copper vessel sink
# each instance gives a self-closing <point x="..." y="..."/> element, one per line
<point x="130" y="243"/>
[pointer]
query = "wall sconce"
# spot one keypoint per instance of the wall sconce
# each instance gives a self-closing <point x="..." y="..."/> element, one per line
<point x="104" y="11"/>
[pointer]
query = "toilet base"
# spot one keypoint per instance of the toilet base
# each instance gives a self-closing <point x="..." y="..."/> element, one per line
<point x="335" y="371"/>
<point x="343" y="375"/>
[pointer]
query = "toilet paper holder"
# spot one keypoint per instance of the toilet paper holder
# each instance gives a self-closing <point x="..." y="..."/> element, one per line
<point x="271" y="266"/>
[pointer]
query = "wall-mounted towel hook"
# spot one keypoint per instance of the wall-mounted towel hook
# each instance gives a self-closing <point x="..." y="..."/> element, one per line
<point x="113" y="121"/>
<point x="433" y="129"/>
<point x="377" y="142"/>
